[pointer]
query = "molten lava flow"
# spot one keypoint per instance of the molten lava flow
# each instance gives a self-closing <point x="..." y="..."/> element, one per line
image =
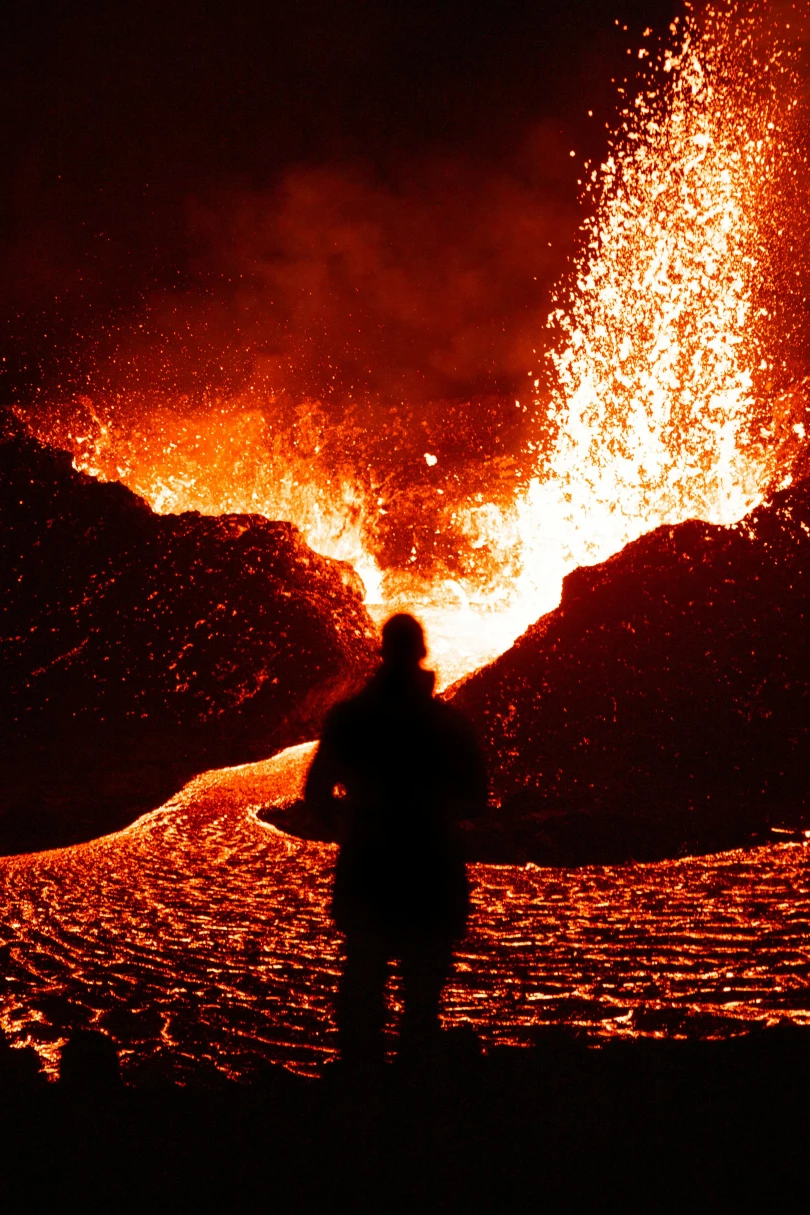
<point x="663" y="373"/>
<point x="201" y="936"/>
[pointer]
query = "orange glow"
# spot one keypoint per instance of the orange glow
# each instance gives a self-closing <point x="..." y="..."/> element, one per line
<point x="661" y="403"/>
<point x="201" y="936"/>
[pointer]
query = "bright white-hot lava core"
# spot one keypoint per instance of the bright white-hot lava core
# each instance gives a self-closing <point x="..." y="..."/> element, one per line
<point x="666" y="396"/>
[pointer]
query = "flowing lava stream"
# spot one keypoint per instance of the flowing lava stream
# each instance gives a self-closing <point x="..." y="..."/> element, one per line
<point x="201" y="938"/>
<point x="200" y="933"/>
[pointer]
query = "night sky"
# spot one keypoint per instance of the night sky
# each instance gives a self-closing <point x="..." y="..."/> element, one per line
<point x="342" y="198"/>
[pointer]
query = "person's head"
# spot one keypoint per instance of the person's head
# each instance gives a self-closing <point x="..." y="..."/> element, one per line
<point x="403" y="642"/>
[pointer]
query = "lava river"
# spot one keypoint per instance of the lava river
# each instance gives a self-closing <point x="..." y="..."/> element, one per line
<point x="200" y="940"/>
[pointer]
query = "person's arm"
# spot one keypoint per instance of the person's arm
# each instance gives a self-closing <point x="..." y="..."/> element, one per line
<point x="324" y="774"/>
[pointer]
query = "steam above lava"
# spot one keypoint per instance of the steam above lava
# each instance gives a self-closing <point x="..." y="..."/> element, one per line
<point x="668" y="385"/>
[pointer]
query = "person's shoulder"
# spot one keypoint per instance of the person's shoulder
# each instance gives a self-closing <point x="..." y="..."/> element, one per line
<point x="451" y="718"/>
<point x="347" y="711"/>
<point x="343" y="710"/>
<point x="447" y="710"/>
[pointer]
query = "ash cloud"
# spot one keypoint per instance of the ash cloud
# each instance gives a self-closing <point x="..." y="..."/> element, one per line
<point x="426" y="283"/>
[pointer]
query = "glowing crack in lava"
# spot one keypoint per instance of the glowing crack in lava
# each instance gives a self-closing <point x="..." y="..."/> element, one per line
<point x="660" y="405"/>
<point x="199" y="936"/>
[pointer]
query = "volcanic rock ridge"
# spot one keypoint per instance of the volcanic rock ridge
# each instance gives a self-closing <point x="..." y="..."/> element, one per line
<point x="663" y="708"/>
<point x="138" y="649"/>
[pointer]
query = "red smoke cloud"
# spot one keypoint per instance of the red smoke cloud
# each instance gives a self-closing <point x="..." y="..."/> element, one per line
<point x="420" y="285"/>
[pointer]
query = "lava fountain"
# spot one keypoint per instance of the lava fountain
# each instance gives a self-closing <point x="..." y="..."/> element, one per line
<point x="663" y="358"/>
<point x="666" y="393"/>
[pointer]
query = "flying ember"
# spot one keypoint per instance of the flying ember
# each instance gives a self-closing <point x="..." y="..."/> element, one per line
<point x="667" y="392"/>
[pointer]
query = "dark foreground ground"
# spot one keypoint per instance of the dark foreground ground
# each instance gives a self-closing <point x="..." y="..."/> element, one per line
<point x="641" y="1126"/>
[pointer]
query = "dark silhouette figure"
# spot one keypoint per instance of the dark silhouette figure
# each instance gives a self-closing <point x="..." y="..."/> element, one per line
<point x="401" y="769"/>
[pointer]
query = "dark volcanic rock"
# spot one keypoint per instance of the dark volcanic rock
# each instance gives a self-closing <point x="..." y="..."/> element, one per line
<point x="139" y="648"/>
<point x="559" y="1126"/>
<point x="663" y="708"/>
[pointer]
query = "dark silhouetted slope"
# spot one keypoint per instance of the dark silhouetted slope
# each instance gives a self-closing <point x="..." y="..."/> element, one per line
<point x="664" y="707"/>
<point x="138" y="648"/>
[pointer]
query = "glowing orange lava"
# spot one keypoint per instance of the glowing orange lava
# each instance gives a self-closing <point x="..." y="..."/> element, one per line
<point x="200" y="935"/>
<point x="661" y="400"/>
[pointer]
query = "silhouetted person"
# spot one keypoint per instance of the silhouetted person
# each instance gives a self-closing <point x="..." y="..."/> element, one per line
<point x="400" y="769"/>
